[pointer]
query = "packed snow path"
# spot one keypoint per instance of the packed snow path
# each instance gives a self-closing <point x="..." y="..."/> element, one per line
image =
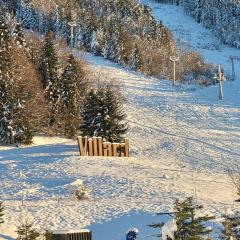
<point x="183" y="140"/>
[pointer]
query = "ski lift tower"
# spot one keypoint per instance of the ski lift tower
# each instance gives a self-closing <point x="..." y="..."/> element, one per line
<point x="72" y="25"/>
<point x="219" y="76"/>
<point x="174" y="59"/>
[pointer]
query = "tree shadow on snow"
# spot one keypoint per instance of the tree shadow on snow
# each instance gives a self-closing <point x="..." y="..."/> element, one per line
<point x="2" y="236"/>
<point x="44" y="153"/>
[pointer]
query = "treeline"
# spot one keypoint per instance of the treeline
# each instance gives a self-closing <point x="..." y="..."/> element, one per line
<point x="43" y="89"/>
<point x="222" y="16"/>
<point x="123" y="31"/>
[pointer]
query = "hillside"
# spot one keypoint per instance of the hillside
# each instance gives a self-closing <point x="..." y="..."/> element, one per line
<point x="192" y="148"/>
<point x="183" y="140"/>
<point x="222" y="17"/>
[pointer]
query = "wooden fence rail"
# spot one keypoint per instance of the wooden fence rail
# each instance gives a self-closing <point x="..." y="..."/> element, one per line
<point x="95" y="146"/>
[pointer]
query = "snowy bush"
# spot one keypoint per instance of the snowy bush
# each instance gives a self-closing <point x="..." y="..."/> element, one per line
<point x="79" y="190"/>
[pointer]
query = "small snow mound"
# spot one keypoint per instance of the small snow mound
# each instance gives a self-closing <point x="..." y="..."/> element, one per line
<point x="165" y="176"/>
<point x="77" y="182"/>
<point x="79" y="190"/>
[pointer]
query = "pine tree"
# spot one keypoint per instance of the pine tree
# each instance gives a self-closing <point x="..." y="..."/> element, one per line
<point x="114" y="119"/>
<point x="123" y="48"/>
<point x="1" y="213"/>
<point x="48" y="69"/>
<point x="92" y="115"/>
<point x="74" y="87"/>
<point x="135" y="62"/>
<point x="231" y="227"/>
<point x="5" y="44"/>
<point x="88" y="25"/>
<point x="48" y="64"/>
<point x="98" y="39"/>
<point x="27" y="232"/>
<point x="56" y="20"/>
<point x="26" y="15"/>
<point x="5" y="83"/>
<point x="108" y="42"/>
<point x="189" y="226"/>
<point x="74" y="83"/>
<point x="103" y="115"/>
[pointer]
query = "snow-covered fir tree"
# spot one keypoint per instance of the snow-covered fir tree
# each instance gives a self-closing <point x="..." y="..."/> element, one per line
<point x="115" y="126"/>
<point x="74" y="88"/>
<point x="56" y="21"/>
<point x="92" y="114"/>
<point x="103" y="115"/>
<point x="1" y="213"/>
<point x="135" y="61"/>
<point x="88" y="25"/>
<point x="48" y="67"/>
<point x="108" y="41"/>
<point x="5" y="45"/>
<point x="150" y="24"/>
<point x="26" y="15"/>
<point x="189" y="225"/>
<point x="48" y="64"/>
<point x="5" y="82"/>
<point x="26" y="231"/>
<point x="123" y="50"/>
<point x="98" y="40"/>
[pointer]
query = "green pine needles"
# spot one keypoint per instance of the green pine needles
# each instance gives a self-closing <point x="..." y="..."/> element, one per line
<point x="27" y="232"/>
<point x="73" y="90"/>
<point x="103" y="115"/>
<point x="189" y="225"/>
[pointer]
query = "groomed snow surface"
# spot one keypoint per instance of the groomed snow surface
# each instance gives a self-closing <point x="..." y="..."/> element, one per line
<point x="182" y="140"/>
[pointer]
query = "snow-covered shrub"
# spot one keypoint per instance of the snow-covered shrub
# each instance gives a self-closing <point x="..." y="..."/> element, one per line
<point x="79" y="190"/>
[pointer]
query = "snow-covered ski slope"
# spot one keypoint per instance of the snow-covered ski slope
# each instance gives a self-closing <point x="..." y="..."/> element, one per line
<point x="183" y="140"/>
<point x="188" y="33"/>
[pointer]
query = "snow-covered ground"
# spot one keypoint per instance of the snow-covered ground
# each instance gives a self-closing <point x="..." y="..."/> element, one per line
<point x="183" y="140"/>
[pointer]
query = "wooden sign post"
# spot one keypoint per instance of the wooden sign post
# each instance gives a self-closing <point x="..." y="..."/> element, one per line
<point x="96" y="147"/>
